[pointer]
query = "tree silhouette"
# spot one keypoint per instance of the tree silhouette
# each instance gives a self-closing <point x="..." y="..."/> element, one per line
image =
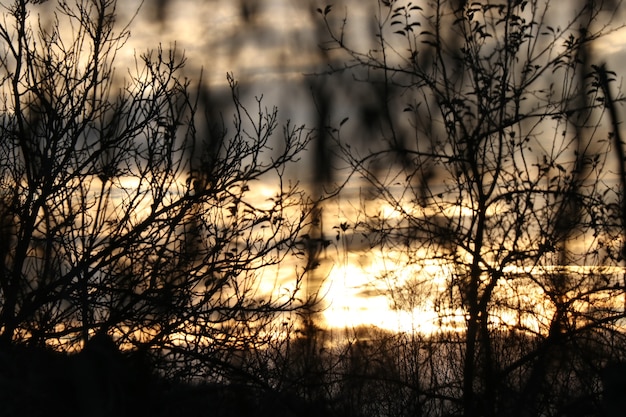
<point x="495" y="164"/>
<point x="122" y="215"/>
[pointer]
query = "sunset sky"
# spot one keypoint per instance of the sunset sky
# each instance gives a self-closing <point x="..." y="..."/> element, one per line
<point x="271" y="51"/>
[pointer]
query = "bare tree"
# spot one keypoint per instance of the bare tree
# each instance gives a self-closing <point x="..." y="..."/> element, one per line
<point x="496" y="165"/>
<point x="121" y="215"/>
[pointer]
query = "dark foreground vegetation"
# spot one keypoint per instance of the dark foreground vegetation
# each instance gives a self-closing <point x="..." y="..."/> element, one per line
<point x="382" y="375"/>
<point x="145" y="270"/>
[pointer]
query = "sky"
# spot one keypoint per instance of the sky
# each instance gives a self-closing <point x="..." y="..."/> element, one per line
<point x="273" y="50"/>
